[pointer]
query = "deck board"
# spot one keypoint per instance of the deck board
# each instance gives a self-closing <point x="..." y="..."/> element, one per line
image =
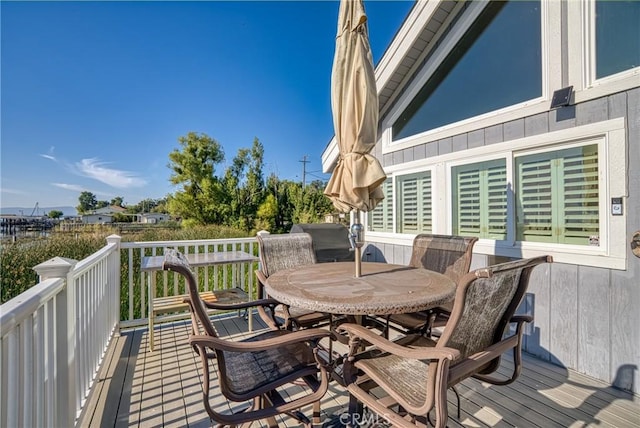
<point x="138" y="388"/>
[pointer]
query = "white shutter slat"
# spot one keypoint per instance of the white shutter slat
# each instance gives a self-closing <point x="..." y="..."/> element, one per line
<point x="535" y="216"/>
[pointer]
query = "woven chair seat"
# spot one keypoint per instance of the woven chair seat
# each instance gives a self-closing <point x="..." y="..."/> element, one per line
<point x="407" y="377"/>
<point x="247" y="371"/>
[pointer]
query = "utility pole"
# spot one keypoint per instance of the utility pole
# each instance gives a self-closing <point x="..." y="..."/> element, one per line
<point x="304" y="170"/>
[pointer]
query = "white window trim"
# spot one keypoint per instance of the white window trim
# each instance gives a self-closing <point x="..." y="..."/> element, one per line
<point x="551" y="80"/>
<point x="612" y="164"/>
<point x="581" y="51"/>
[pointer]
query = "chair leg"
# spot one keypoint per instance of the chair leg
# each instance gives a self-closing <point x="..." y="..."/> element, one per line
<point x="355" y="408"/>
<point x="455" y="391"/>
<point x="427" y="328"/>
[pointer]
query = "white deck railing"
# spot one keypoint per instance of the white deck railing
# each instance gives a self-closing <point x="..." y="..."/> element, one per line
<point x="134" y="311"/>
<point x="54" y="337"/>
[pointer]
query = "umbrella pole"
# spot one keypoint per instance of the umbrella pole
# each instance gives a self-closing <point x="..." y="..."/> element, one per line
<point x="356" y="239"/>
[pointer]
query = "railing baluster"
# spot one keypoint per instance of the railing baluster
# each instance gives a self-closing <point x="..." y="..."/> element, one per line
<point x="13" y="359"/>
<point x="49" y="369"/>
<point x="39" y="337"/>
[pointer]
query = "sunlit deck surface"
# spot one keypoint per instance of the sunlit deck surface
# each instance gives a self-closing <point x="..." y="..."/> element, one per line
<point x="138" y="388"/>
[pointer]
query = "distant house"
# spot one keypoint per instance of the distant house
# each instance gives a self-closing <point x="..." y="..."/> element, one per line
<point x="97" y="218"/>
<point x="111" y="209"/>
<point x="153" y="218"/>
<point x="518" y="122"/>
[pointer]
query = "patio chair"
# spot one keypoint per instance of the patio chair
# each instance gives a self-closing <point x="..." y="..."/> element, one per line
<point x="415" y="371"/>
<point x="446" y="254"/>
<point x="285" y="251"/>
<point x="254" y="369"/>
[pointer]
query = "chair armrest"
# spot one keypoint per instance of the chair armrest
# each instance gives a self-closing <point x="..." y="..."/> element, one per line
<point x="236" y="306"/>
<point x="261" y="278"/>
<point x="311" y="334"/>
<point x="270" y="317"/>
<point x="358" y="332"/>
<point x="521" y="318"/>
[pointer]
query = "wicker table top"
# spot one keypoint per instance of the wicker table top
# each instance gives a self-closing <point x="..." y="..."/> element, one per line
<point x="382" y="288"/>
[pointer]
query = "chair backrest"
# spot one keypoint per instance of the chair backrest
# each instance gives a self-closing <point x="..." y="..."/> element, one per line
<point x="446" y="254"/>
<point x="485" y="301"/>
<point x="285" y="251"/>
<point x="177" y="262"/>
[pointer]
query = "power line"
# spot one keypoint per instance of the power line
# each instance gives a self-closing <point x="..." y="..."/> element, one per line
<point x="304" y="170"/>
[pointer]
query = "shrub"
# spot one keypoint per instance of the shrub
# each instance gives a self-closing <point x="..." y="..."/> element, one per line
<point x="18" y="259"/>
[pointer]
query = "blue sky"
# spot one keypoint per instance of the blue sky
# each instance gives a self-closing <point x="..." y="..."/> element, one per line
<point x="96" y="94"/>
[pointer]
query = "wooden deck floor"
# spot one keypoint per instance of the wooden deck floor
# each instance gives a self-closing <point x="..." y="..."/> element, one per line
<point x="137" y="388"/>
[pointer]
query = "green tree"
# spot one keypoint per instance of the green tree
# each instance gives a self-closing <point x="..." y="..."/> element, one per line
<point x="267" y="214"/>
<point x="102" y="204"/>
<point x="193" y="169"/>
<point x="87" y="201"/>
<point x="161" y="206"/>
<point x="117" y="201"/>
<point x="311" y="205"/>
<point x="244" y="186"/>
<point x="295" y="204"/>
<point x="122" y="218"/>
<point x="148" y="206"/>
<point x="55" y="214"/>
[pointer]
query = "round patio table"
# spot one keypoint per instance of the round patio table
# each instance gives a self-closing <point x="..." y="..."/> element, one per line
<point x="382" y="288"/>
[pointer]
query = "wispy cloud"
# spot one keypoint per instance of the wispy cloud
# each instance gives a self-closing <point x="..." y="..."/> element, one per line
<point x="74" y="187"/>
<point x="80" y="188"/>
<point x="94" y="168"/>
<point x="50" y="154"/>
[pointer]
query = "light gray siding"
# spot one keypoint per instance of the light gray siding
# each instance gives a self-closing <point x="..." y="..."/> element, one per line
<point x="586" y="318"/>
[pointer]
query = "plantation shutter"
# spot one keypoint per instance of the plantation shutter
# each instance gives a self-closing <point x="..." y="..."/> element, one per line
<point x="480" y="199"/>
<point x="581" y="203"/>
<point x="496" y="198"/>
<point x="414" y="203"/>
<point x="427" y="207"/>
<point x="381" y="218"/>
<point x="558" y="196"/>
<point x="535" y="219"/>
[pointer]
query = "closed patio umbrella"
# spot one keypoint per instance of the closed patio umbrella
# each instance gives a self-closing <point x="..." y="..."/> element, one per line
<point x="356" y="179"/>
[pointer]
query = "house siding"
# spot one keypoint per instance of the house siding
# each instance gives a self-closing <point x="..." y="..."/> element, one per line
<point x="586" y="318"/>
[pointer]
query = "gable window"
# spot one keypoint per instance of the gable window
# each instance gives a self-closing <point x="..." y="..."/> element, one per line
<point x="617" y="36"/>
<point x="497" y="63"/>
<point x="558" y="196"/>
<point x="480" y="199"/>
<point x="414" y="203"/>
<point x="381" y="218"/>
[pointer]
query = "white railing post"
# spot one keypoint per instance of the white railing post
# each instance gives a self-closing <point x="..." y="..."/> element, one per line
<point x="65" y="343"/>
<point x="115" y="271"/>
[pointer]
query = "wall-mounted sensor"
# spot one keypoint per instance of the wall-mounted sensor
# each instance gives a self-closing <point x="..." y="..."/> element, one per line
<point x="616" y="206"/>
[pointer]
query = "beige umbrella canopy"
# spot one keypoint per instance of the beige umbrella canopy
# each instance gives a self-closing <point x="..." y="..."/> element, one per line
<point x="356" y="179"/>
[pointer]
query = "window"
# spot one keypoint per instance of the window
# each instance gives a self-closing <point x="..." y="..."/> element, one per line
<point x="381" y="218"/>
<point x="480" y="199"/>
<point x="497" y="63"/>
<point x="617" y="36"/>
<point x="544" y="194"/>
<point x="558" y="197"/>
<point x="414" y="203"/>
